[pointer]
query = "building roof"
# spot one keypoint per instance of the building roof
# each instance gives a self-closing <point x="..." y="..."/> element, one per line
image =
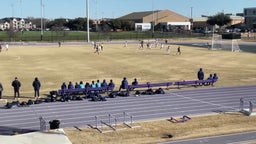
<point x="137" y="15"/>
<point x="157" y="16"/>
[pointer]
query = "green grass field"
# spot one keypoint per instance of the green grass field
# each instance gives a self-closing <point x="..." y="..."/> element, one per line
<point x="54" y="65"/>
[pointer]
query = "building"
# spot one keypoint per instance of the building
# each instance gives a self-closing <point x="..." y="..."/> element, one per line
<point x="201" y="22"/>
<point x="250" y="17"/>
<point x="15" y="24"/>
<point x="143" y="26"/>
<point x="157" y="17"/>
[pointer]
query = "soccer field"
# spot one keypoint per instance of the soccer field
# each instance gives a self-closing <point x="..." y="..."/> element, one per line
<point x="54" y="65"/>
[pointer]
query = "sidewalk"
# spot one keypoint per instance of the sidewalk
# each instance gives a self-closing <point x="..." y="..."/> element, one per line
<point x="50" y="137"/>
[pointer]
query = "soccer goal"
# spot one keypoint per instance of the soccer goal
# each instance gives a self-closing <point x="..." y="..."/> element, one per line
<point x="225" y="44"/>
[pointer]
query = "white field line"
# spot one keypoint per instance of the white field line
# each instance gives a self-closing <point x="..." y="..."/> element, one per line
<point x="205" y="102"/>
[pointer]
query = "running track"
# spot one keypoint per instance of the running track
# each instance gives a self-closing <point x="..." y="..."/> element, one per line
<point x="142" y="108"/>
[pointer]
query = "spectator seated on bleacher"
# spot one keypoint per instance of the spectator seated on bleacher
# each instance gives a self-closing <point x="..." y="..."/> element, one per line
<point x="81" y="84"/>
<point x="134" y="83"/>
<point x="93" y="85"/>
<point x="77" y="85"/>
<point x="63" y="86"/>
<point x="124" y="84"/>
<point x="111" y="84"/>
<point x="98" y="84"/>
<point x="70" y="85"/>
<point x="215" y="77"/>
<point x="209" y="78"/>
<point x="104" y="83"/>
<point x="87" y="85"/>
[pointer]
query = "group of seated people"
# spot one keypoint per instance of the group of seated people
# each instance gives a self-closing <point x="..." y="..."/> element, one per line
<point x="124" y="83"/>
<point x="94" y="84"/>
<point x="200" y="76"/>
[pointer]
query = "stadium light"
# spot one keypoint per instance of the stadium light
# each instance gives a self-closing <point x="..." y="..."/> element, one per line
<point x="42" y="33"/>
<point x="153" y="19"/>
<point x="88" y="27"/>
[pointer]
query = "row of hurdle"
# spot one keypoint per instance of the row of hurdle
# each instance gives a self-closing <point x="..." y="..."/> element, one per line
<point x="114" y="123"/>
<point x="104" y="125"/>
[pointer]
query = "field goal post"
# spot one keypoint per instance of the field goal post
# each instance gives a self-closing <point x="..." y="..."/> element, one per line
<point x="218" y="43"/>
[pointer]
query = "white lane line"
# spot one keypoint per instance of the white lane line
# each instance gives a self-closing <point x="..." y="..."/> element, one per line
<point x="210" y="103"/>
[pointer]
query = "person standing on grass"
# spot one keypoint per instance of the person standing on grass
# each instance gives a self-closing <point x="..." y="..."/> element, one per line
<point x="125" y="44"/>
<point x="16" y="86"/>
<point x="200" y="75"/>
<point x="7" y="46"/>
<point x="36" y="85"/>
<point x="0" y="48"/>
<point x="59" y="43"/>
<point x="178" y="51"/>
<point x="168" y="49"/>
<point x="97" y="49"/>
<point x="1" y="90"/>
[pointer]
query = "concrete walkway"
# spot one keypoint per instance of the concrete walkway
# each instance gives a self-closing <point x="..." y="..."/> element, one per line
<point x="50" y="137"/>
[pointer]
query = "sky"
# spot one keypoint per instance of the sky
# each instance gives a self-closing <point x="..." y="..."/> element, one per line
<point x="116" y="8"/>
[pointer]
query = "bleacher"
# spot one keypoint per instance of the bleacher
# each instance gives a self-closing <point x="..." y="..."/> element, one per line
<point x="178" y="84"/>
<point x="84" y="90"/>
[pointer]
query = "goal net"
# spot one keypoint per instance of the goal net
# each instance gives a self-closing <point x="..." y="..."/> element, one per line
<point x="224" y="44"/>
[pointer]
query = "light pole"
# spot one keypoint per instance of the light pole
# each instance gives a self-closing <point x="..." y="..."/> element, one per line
<point x="43" y="18"/>
<point x="88" y="27"/>
<point x="153" y="19"/>
<point x="191" y="18"/>
<point x="12" y="10"/>
<point x="42" y="33"/>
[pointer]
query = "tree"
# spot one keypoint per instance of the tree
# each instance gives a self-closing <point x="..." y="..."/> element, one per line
<point x="58" y="24"/>
<point x="219" y="19"/>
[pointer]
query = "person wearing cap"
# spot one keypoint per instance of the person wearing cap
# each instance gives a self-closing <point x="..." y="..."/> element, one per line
<point x="16" y="86"/>
<point x="36" y="85"/>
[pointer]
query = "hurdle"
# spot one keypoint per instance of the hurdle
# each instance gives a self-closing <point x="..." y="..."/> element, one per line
<point x="112" y="123"/>
<point x="246" y="105"/>
<point x="42" y="124"/>
<point x="181" y="120"/>
<point x="129" y="123"/>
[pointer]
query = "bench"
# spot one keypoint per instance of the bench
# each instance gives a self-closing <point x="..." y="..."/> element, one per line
<point x="84" y="90"/>
<point x="194" y="82"/>
<point x="149" y="85"/>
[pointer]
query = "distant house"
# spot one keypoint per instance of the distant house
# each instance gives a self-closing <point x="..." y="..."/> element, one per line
<point x="15" y="24"/>
<point x="157" y="18"/>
